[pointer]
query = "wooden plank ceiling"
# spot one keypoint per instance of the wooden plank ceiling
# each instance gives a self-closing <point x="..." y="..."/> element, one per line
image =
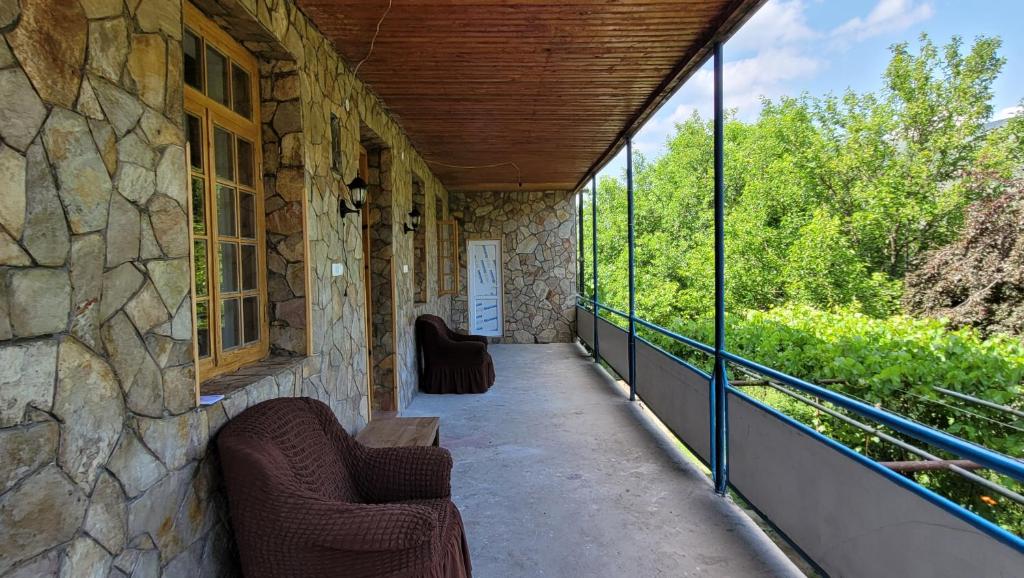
<point x="550" y="85"/>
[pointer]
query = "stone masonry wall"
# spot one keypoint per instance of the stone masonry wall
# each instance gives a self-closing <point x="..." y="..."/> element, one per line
<point x="284" y="181"/>
<point x="434" y="210"/>
<point x="100" y="438"/>
<point x="382" y="275"/>
<point x="106" y="463"/>
<point x="538" y="235"/>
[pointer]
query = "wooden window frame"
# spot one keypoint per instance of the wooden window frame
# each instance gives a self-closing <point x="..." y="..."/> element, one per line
<point x="447" y="248"/>
<point x="212" y="113"/>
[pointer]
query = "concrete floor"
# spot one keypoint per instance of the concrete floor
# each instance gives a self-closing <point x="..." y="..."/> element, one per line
<point x="557" y="474"/>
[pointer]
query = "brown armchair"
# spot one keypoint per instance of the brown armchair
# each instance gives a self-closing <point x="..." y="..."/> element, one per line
<point x="306" y="499"/>
<point x="450" y="362"/>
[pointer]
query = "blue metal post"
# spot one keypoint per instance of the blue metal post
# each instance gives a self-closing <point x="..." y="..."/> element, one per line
<point x="719" y="379"/>
<point x="593" y="242"/>
<point x="581" y="286"/>
<point x="632" y="269"/>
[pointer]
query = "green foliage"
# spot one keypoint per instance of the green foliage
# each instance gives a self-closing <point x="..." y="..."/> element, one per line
<point x="830" y="202"/>
<point x="891" y="363"/>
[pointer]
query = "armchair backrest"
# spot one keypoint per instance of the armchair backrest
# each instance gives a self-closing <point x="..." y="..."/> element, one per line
<point x="289" y="444"/>
<point x="432" y="327"/>
<point x="431" y="332"/>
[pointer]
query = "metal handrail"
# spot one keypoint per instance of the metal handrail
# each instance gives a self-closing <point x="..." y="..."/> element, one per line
<point x="990" y="459"/>
<point x="666" y="332"/>
<point x="718" y="381"/>
<point x="680" y="338"/>
<point x="978" y="454"/>
<point x="992" y="529"/>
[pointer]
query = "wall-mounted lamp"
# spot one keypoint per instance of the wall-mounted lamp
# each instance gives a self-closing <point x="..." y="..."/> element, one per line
<point x="357" y="189"/>
<point x="414" y="220"/>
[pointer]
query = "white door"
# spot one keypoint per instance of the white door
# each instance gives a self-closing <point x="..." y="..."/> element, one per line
<point x="484" y="270"/>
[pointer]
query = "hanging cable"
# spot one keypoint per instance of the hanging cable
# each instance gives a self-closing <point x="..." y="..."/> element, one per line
<point x="374" y="39"/>
<point x="961" y="410"/>
<point x="519" y="173"/>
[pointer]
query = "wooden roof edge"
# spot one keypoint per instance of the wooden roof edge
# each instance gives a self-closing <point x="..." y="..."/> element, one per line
<point x="734" y="17"/>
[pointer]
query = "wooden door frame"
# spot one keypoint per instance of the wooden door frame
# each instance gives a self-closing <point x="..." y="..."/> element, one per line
<point x="364" y="216"/>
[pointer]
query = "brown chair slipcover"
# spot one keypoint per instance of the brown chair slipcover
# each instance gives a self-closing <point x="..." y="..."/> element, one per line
<point x="308" y="500"/>
<point x="451" y="362"/>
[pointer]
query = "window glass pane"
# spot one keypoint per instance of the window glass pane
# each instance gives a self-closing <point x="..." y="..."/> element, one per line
<point x="240" y="90"/>
<point x="198" y="206"/>
<point x="228" y="267"/>
<point x="203" y="328"/>
<point x="194" y="128"/>
<point x="192" y="46"/>
<point x="247" y="214"/>
<point x="223" y="149"/>
<point x="202" y="262"/>
<point x="226" y="211"/>
<point x="229" y="321"/>
<point x="216" y="76"/>
<point x="245" y="162"/>
<point x="251" y="319"/>
<point x="248" y="267"/>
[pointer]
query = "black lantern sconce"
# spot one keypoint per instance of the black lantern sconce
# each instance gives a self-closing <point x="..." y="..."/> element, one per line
<point x="357" y="190"/>
<point x="414" y="220"/>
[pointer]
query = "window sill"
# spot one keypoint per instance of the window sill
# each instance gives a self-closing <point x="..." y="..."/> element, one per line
<point x="275" y="376"/>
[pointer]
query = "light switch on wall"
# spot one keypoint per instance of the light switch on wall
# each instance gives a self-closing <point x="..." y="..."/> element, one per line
<point x="337" y="269"/>
<point x="405" y="268"/>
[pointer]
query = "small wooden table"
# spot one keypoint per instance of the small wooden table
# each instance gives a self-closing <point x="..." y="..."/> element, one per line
<point x="401" y="431"/>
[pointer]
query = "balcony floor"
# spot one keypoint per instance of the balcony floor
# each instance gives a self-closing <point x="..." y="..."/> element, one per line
<point x="557" y="474"/>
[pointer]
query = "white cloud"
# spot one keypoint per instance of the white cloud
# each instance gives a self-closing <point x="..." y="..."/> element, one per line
<point x="776" y="23"/>
<point x="886" y="17"/>
<point x="774" y="54"/>
<point x="1008" y="112"/>
<point x="769" y="52"/>
<point x="768" y="73"/>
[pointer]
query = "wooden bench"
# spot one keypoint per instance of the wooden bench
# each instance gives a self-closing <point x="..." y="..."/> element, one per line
<point x="401" y="431"/>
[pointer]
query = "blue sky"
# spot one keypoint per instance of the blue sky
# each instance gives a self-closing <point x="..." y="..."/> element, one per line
<point x="820" y="46"/>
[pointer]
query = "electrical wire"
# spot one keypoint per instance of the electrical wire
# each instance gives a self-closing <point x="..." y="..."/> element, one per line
<point x="519" y="172"/>
<point x="374" y="39"/>
<point x="961" y="410"/>
<point x="978" y="401"/>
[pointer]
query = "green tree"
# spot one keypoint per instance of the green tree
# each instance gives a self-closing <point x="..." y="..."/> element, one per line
<point x="830" y="200"/>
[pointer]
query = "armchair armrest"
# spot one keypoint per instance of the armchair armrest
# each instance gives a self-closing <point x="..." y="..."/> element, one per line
<point x="467" y="351"/>
<point x="404" y="473"/>
<point x="463" y="338"/>
<point x="353" y="527"/>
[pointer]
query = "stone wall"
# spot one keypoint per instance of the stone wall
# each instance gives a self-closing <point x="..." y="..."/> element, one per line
<point x="284" y="188"/>
<point x="419" y="245"/>
<point x="538" y="235"/>
<point x="435" y="207"/>
<point x="381" y="278"/>
<point x="106" y="465"/>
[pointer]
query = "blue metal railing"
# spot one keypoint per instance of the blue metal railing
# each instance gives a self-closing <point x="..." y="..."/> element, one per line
<point x="954" y="445"/>
<point x="984" y="457"/>
<point x="719" y="388"/>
